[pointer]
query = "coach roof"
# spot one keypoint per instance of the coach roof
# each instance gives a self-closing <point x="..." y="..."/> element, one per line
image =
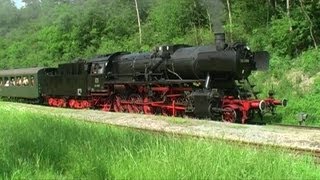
<point x="25" y="71"/>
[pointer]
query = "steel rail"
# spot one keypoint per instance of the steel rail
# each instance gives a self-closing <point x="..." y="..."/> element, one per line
<point x="296" y="126"/>
<point x="298" y="151"/>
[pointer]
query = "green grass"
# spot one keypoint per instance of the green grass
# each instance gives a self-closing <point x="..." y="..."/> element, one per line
<point x="37" y="146"/>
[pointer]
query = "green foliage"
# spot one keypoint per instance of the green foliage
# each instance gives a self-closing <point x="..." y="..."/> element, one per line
<point x="308" y="61"/>
<point x="169" y="20"/>
<point x="306" y="104"/>
<point x="285" y="36"/>
<point x="247" y="16"/>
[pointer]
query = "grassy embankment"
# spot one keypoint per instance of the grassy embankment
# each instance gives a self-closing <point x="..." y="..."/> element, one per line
<point x="43" y="146"/>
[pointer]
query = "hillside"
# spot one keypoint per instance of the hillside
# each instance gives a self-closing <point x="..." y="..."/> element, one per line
<point x="48" y="32"/>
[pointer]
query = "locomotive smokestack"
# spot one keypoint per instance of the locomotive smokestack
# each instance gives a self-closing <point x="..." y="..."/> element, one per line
<point x="216" y="16"/>
<point x="220" y="41"/>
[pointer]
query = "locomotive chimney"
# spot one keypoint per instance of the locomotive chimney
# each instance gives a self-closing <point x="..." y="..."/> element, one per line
<point x="220" y="41"/>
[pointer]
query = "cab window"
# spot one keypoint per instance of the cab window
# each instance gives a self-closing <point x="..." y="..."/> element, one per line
<point x="97" y="68"/>
<point x="1" y="81"/>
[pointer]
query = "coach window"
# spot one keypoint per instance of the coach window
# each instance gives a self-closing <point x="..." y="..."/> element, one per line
<point x="32" y="80"/>
<point x="7" y="82"/>
<point x="18" y="81"/>
<point x="25" y="81"/>
<point x="13" y="81"/>
<point x="1" y="81"/>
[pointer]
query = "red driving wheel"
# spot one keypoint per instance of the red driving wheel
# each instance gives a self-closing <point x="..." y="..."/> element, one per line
<point x="229" y="115"/>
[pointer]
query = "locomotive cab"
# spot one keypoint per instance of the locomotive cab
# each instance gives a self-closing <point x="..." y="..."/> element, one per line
<point x="100" y="70"/>
<point x="97" y="75"/>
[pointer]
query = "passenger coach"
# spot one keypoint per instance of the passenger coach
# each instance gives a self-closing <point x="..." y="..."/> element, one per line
<point x="22" y="83"/>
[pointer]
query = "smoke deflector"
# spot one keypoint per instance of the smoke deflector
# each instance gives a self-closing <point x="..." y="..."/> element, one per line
<point x="261" y="58"/>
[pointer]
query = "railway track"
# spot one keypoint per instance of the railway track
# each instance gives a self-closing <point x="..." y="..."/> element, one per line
<point x="299" y="151"/>
<point x="294" y="150"/>
<point x="297" y="126"/>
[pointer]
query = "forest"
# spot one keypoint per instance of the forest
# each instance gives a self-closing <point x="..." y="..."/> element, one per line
<point x="49" y="32"/>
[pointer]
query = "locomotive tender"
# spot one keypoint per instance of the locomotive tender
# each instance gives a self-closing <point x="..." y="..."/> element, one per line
<point x="202" y="81"/>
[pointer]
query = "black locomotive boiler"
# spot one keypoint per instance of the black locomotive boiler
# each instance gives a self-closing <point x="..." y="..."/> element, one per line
<point x="202" y="81"/>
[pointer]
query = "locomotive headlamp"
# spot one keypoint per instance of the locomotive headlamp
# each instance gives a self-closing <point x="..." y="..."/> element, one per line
<point x="163" y="48"/>
<point x="164" y="51"/>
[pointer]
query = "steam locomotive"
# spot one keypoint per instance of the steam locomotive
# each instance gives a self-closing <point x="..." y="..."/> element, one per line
<point x="201" y="81"/>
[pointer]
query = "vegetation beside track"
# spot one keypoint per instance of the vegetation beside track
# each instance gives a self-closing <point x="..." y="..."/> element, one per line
<point x="40" y="146"/>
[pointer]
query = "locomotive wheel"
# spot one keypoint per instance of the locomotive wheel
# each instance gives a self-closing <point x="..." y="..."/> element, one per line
<point x="71" y="103"/>
<point x="135" y="108"/>
<point x="165" y="112"/>
<point x="78" y="105"/>
<point x="61" y="103"/>
<point x="147" y="109"/>
<point x="106" y="105"/>
<point x="85" y="104"/>
<point x="117" y="107"/>
<point x="51" y="101"/>
<point x="229" y="115"/>
<point x="129" y="108"/>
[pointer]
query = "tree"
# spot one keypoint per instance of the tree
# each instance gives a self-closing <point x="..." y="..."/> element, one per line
<point x="138" y="19"/>
<point x="32" y="9"/>
<point x="8" y="16"/>
<point x="310" y="23"/>
<point x="230" y="18"/>
<point x="288" y="12"/>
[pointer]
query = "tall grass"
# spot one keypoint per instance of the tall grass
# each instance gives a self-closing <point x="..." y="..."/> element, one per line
<point x="46" y="147"/>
